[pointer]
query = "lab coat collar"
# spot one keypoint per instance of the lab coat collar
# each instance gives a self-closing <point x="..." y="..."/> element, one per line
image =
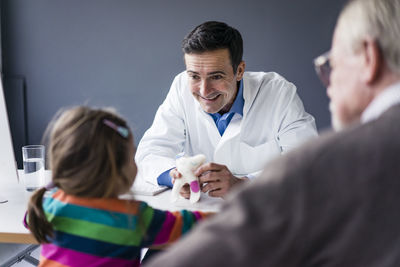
<point x="237" y="106"/>
<point x="249" y="92"/>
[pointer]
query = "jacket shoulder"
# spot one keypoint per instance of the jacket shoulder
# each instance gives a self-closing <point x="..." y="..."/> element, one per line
<point x="268" y="80"/>
<point x="261" y="76"/>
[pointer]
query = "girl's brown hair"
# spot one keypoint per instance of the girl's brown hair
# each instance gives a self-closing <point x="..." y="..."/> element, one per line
<point x="87" y="159"/>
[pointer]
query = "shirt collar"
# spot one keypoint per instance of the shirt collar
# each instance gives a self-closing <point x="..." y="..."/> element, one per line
<point x="237" y="106"/>
<point x="385" y="100"/>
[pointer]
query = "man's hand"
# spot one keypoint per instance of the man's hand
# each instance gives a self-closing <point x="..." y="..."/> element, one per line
<point x="217" y="179"/>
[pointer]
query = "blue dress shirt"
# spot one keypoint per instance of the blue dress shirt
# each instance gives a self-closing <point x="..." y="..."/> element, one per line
<point x="221" y="121"/>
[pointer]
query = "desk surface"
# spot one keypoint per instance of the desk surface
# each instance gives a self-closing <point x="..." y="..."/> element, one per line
<point x="12" y="212"/>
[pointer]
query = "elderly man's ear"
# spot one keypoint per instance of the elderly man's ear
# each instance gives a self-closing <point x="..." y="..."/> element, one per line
<point x="373" y="61"/>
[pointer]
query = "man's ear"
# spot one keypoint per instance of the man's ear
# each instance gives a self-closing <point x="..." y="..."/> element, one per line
<point x="240" y="70"/>
<point x="373" y="61"/>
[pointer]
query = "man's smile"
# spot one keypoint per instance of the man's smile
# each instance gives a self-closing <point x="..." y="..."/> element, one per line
<point x="210" y="98"/>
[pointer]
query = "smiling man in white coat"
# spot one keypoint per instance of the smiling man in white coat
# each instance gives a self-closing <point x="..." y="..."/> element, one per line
<point x="239" y="120"/>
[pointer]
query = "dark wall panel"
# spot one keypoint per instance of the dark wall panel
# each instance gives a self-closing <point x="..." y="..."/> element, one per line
<point x="125" y="53"/>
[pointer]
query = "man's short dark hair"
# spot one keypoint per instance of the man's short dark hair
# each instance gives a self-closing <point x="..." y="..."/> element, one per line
<point x="213" y="35"/>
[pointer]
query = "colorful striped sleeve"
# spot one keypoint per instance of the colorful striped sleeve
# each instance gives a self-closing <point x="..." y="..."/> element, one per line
<point x="165" y="227"/>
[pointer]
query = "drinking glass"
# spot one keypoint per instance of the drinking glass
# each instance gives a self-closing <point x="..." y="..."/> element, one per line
<point x="33" y="158"/>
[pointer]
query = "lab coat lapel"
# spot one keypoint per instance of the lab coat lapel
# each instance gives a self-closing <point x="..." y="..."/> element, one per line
<point x="231" y="131"/>
<point x="210" y="128"/>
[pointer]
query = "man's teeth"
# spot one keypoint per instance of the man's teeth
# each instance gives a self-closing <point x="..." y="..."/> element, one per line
<point x="210" y="98"/>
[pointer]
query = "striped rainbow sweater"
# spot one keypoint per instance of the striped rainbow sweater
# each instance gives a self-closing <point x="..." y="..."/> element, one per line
<point x="107" y="232"/>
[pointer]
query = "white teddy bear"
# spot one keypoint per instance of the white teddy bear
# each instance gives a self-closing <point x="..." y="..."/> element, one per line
<point x="186" y="166"/>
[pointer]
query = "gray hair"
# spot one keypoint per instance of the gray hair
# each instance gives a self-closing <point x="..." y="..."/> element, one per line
<point x="376" y="19"/>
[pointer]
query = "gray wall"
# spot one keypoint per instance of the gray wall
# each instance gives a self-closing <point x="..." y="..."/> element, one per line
<point x="125" y="53"/>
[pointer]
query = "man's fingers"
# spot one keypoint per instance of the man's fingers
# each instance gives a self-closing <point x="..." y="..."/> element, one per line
<point x="211" y="187"/>
<point x="185" y="191"/>
<point x="187" y="196"/>
<point x="216" y="193"/>
<point x="208" y="178"/>
<point x="210" y="166"/>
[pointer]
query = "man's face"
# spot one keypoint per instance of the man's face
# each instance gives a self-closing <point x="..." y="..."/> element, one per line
<point x="347" y="91"/>
<point x="212" y="80"/>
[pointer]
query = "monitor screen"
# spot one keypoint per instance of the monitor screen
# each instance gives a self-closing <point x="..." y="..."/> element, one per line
<point x="8" y="168"/>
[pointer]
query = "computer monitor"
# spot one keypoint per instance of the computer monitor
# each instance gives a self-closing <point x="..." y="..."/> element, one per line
<point x="8" y="167"/>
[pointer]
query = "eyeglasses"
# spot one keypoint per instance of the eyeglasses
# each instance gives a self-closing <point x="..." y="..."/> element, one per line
<point x="323" y="68"/>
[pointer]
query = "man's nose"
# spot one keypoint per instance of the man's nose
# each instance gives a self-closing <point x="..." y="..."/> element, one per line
<point x="204" y="88"/>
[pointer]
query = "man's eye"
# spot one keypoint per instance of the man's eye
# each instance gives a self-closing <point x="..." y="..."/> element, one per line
<point x="195" y="77"/>
<point x="216" y="77"/>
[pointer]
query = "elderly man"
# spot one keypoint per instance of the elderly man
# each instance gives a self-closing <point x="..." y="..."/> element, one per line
<point x="239" y="120"/>
<point x="335" y="202"/>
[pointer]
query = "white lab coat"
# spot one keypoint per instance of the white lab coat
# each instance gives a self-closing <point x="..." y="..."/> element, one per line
<point x="273" y="121"/>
